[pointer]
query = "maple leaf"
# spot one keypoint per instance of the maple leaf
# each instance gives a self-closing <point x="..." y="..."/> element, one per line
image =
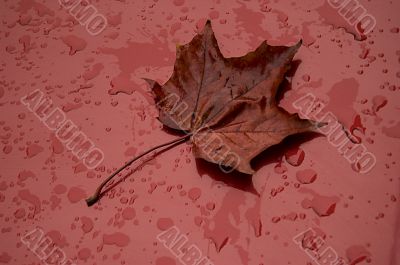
<point x="228" y="105"/>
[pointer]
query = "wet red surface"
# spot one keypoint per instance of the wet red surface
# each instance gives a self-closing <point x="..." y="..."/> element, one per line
<point x="97" y="81"/>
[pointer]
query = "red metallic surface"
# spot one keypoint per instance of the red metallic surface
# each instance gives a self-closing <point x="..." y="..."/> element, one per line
<point x="97" y="81"/>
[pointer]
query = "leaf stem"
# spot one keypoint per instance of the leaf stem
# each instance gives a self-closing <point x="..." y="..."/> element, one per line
<point x="96" y="196"/>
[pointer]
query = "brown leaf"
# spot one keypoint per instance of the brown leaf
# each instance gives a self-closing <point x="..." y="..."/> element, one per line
<point x="228" y="105"/>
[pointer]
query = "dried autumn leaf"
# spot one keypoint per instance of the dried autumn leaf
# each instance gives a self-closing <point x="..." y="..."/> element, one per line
<point x="228" y="105"/>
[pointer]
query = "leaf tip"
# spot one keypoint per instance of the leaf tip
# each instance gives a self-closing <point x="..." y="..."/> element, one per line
<point x="207" y="26"/>
<point x="316" y="126"/>
<point x="320" y="124"/>
<point x="245" y="168"/>
<point x="298" y="44"/>
<point x="150" y="82"/>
